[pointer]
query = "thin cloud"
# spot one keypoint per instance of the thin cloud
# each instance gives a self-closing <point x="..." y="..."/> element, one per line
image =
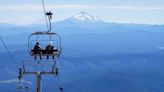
<point x="36" y="7"/>
<point x="131" y="8"/>
<point x="14" y="81"/>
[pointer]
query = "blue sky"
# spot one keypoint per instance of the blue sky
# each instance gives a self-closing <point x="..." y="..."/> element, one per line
<point x="22" y="12"/>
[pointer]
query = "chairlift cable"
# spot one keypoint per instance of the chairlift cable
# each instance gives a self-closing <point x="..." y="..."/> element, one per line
<point x="12" y="57"/>
<point x="44" y="11"/>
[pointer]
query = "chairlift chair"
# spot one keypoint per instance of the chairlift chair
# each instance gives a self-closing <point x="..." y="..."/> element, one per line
<point x="44" y="38"/>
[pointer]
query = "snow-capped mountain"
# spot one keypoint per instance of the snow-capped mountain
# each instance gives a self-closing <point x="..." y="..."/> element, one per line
<point x="85" y="17"/>
<point x="81" y="20"/>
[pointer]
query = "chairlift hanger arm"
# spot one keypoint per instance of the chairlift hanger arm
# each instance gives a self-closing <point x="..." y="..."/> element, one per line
<point x="49" y="14"/>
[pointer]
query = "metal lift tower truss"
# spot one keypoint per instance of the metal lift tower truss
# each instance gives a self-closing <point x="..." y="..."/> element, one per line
<point x="39" y="68"/>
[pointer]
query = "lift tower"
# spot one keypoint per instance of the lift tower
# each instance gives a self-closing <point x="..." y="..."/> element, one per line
<point x="39" y="69"/>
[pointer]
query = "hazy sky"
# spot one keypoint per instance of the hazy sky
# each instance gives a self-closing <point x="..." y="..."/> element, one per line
<point x="124" y="11"/>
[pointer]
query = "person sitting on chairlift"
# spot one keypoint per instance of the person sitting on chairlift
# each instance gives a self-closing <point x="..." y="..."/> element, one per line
<point x="49" y="50"/>
<point x="37" y="50"/>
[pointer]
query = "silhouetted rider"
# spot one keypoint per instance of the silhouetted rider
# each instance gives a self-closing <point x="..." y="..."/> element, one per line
<point x="37" y="51"/>
<point x="49" y="50"/>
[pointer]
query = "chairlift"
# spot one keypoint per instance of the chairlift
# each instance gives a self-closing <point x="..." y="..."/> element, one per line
<point x="44" y="38"/>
